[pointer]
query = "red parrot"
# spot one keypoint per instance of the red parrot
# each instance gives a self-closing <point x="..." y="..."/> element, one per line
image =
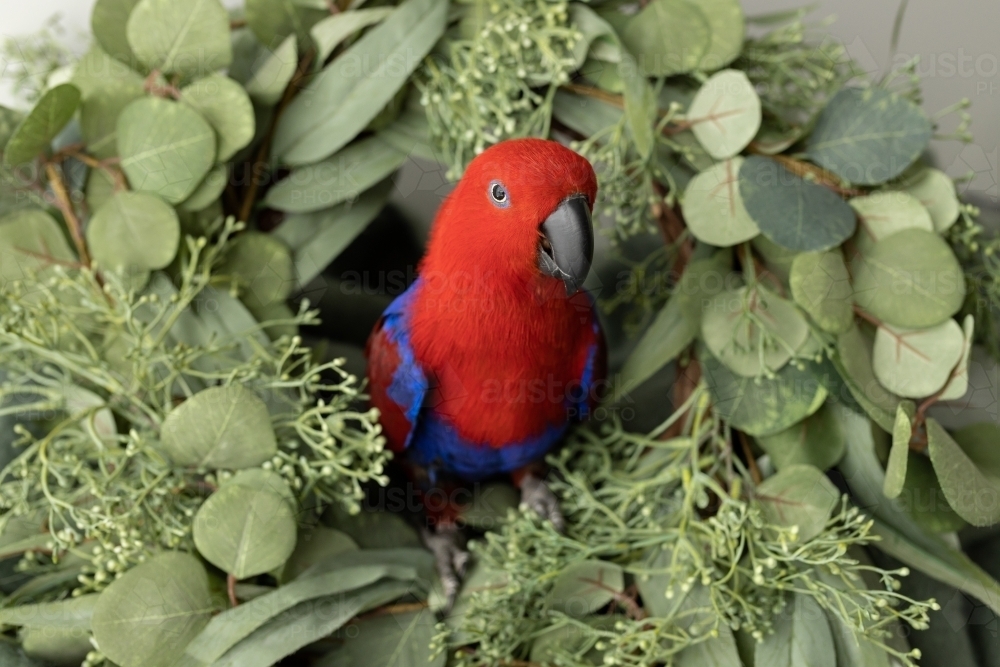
<point x="484" y="362"/>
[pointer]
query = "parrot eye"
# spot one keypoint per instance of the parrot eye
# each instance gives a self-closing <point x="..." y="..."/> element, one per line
<point x="498" y="193"/>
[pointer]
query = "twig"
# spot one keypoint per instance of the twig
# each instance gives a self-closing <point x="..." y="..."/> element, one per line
<point x="237" y="24"/>
<point x="401" y="608"/>
<point x="152" y="87"/>
<point x="751" y="461"/>
<point x="802" y="169"/>
<point x="76" y="151"/>
<point x="65" y="206"/>
<point x="231" y="589"/>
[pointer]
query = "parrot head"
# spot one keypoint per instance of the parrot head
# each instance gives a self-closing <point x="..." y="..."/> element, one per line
<point x="522" y="211"/>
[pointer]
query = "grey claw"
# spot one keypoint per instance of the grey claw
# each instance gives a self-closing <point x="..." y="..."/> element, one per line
<point x="447" y="543"/>
<point x="536" y="495"/>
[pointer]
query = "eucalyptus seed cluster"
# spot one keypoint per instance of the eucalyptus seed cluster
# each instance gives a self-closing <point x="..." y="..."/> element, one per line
<point x="498" y="81"/>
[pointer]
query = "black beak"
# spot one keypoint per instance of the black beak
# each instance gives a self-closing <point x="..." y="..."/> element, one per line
<point x="567" y="247"/>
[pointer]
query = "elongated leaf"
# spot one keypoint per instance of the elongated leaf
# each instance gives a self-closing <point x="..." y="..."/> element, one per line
<point x="271" y="77"/>
<point x="915" y="363"/>
<point x="936" y="192"/>
<point x="640" y="108"/>
<point x="107" y="23"/>
<point x="713" y="206"/>
<point x="219" y="427"/>
<point x="331" y="31"/>
<point x="798" y="495"/>
<point x="342" y="177"/>
<point x="134" y="231"/>
<point x="56" y="646"/>
<point x="585" y="115"/>
<point x="166" y="147"/>
<point x="585" y="587"/>
<point x="924" y="500"/>
<point x="972" y="490"/>
<point x="821" y="285"/>
<point x="902" y="431"/>
<point x="869" y="136"/>
<point x="669" y="334"/>
<point x="958" y="384"/>
<point x="314" y="546"/>
<point x="74" y="613"/>
<point x="50" y="115"/>
<point x="801" y="637"/>
<point x="350" y="92"/>
<point x="717" y="651"/>
<point x="227" y="108"/>
<point x="815" y="441"/>
<point x="186" y="37"/>
<point x="145" y="618"/>
<point x="792" y="212"/>
<point x="667" y="37"/>
<point x="725" y="114"/>
<point x="317" y="238"/>
<point x="909" y="279"/>
<point x="306" y="623"/>
<point x="853" y="362"/>
<point x="390" y="640"/>
<point x="598" y="35"/>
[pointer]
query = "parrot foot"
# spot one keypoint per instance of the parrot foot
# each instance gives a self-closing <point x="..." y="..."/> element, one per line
<point x="536" y="495"/>
<point x="447" y="543"/>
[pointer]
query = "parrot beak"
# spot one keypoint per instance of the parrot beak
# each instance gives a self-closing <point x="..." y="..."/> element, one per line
<point x="566" y="248"/>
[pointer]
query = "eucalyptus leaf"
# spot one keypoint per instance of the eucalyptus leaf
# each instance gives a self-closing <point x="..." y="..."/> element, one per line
<point x="902" y="432"/>
<point x="390" y="640"/>
<point x="853" y="362"/>
<point x="798" y="495"/>
<point x="259" y="478"/>
<point x="718" y="651"/>
<point x="185" y="37"/>
<point x="958" y="383"/>
<point x="915" y="363"/>
<point x="910" y="279"/>
<point x="273" y="21"/>
<point x="801" y="637"/>
<point x="816" y="441"/>
<point x="791" y="211"/>
<point x="881" y="214"/>
<point x="56" y="646"/>
<point x="314" y="546"/>
<point x="134" y="231"/>
<point x="166" y="147"/>
<point x="31" y="242"/>
<point x="762" y="406"/>
<point x="245" y="531"/>
<point x="107" y="87"/>
<point x="36" y="131"/>
<point x="331" y="31"/>
<point x="9" y="119"/>
<point x="317" y="238"/>
<point x="261" y="265"/>
<point x="640" y="108"/>
<point x="668" y="37"/>
<point x="726" y="23"/>
<point x="219" y="427"/>
<point x="713" y="206"/>
<point x="599" y="38"/>
<point x="936" y="192"/>
<point x="73" y="613"/>
<point x="107" y="22"/>
<point x="752" y="330"/>
<point x="582" y="114"/>
<point x="309" y="131"/>
<point x="586" y="586"/>
<point x="146" y="617"/>
<point x="821" y="285"/>
<point x="868" y="136"/>
<point x="972" y="489"/>
<point x="208" y="191"/>
<point x="725" y="114"/>
<point x="669" y="334"/>
<point x="270" y="77"/>
<point x="227" y="108"/>
<point x="342" y="177"/>
<point x="924" y="500"/>
<point x="702" y="281"/>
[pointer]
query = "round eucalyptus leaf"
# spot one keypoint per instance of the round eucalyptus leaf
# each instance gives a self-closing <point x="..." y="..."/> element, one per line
<point x="910" y="279"/>
<point x="868" y="136"/>
<point x="774" y="138"/>
<point x="219" y="427"/>
<point x="668" y="37"/>
<point x="273" y="21"/>
<point x="30" y="243"/>
<point x="313" y="546"/>
<point x="585" y="587"/>
<point x="186" y="37"/>
<point x="762" y="406"/>
<point x="958" y="383"/>
<point x="147" y="617"/>
<point x="262" y="268"/>
<point x="208" y="191"/>
<point x="227" y="108"/>
<point x="924" y="500"/>
<point x="821" y="285"/>
<point x="971" y="485"/>
<point x="100" y="188"/>
<point x="36" y="131"/>
<point x="799" y="495"/>
<point x="936" y="191"/>
<point x="899" y="454"/>
<point x="107" y="23"/>
<point x="752" y="331"/>
<point x="245" y="531"/>
<point x="817" y="441"/>
<point x="713" y="207"/>
<point x="726" y="24"/>
<point x="107" y="86"/>
<point x="915" y="363"/>
<point x="258" y="478"/>
<point x="725" y="114"/>
<point x="269" y="78"/>
<point x="134" y="230"/>
<point x="166" y="147"/>
<point x="881" y="214"/>
<point x="791" y="211"/>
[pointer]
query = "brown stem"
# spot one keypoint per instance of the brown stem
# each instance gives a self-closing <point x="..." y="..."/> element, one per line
<point x="265" y="146"/>
<point x="751" y="461"/>
<point x="802" y="169"/>
<point x="595" y="93"/>
<point x="401" y="608"/>
<point x="231" y="589"/>
<point x="237" y="24"/>
<point x="160" y="90"/>
<point x="66" y="208"/>
<point x="76" y="151"/>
